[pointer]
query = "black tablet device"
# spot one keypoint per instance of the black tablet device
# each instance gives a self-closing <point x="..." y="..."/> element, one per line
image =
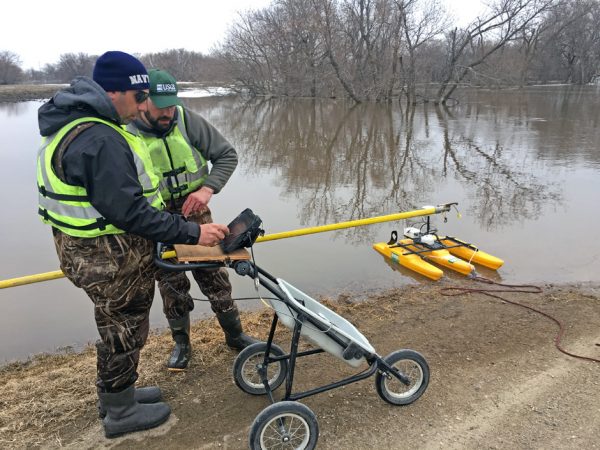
<point x="243" y="231"/>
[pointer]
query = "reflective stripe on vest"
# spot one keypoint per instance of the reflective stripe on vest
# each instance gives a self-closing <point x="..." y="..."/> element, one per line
<point x="67" y="207"/>
<point x="180" y="166"/>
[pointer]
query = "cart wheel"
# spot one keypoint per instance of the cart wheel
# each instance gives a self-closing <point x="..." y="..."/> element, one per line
<point x="284" y="425"/>
<point x="412" y="365"/>
<point x="245" y="369"/>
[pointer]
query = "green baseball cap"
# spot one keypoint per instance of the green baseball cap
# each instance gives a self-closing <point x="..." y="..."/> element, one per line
<point x="163" y="88"/>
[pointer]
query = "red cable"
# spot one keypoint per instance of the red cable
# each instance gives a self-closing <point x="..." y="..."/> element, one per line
<point x="524" y="288"/>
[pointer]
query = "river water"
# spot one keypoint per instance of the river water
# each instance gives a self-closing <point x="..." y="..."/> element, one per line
<point x="523" y="165"/>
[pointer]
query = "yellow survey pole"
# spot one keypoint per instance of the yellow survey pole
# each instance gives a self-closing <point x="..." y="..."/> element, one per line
<point x="29" y="279"/>
<point x="425" y="211"/>
<point x="355" y="223"/>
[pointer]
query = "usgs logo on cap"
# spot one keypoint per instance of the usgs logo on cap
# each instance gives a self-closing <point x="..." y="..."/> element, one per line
<point x="166" y="87"/>
<point x="138" y="79"/>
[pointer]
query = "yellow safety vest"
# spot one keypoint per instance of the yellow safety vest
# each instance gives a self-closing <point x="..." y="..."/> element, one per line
<point x="67" y="207"/>
<point x="181" y="168"/>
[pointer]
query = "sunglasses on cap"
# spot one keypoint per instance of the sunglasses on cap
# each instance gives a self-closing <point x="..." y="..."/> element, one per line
<point x="141" y="96"/>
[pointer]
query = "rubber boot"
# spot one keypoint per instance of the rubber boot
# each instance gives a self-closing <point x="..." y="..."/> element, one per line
<point x="148" y="394"/>
<point x="235" y="337"/>
<point x="182" y="352"/>
<point x="125" y="415"/>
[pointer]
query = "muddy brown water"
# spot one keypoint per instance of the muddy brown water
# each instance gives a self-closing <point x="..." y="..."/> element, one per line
<point x="522" y="164"/>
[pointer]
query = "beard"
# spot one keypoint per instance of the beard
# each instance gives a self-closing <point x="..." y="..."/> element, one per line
<point x="156" y="124"/>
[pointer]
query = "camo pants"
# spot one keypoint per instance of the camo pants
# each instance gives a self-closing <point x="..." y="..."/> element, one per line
<point x="117" y="273"/>
<point x="213" y="283"/>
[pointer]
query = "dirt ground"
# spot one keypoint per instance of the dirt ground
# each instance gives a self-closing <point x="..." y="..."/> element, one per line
<point x="497" y="380"/>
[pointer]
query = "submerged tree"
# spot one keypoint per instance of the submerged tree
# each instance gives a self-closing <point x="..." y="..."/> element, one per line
<point x="380" y="49"/>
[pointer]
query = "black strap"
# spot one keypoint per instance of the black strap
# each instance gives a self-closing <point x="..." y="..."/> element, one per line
<point x="174" y="172"/>
<point x="65" y="197"/>
<point x="176" y="190"/>
<point x="98" y="224"/>
<point x="171" y="178"/>
<point x="150" y="191"/>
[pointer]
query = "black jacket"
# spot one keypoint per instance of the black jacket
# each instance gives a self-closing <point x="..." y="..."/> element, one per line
<point x="99" y="159"/>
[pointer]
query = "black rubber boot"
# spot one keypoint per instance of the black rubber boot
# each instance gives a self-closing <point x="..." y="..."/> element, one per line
<point x="148" y="394"/>
<point x="235" y="337"/>
<point x="182" y="352"/>
<point x="125" y="415"/>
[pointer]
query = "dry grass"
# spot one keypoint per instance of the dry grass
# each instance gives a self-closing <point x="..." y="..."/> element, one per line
<point x="22" y="92"/>
<point x="49" y="393"/>
<point x="51" y="398"/>
<point x="45" y="393"/>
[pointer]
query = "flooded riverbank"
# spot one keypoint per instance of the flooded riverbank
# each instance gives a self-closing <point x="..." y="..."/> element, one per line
<point x="524" y="166"/>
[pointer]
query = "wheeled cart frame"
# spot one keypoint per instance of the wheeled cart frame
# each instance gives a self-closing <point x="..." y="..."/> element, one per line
<point x="400" y="377"/>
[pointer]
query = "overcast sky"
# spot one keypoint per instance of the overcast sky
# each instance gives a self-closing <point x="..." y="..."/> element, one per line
<point x="40" y="31"/>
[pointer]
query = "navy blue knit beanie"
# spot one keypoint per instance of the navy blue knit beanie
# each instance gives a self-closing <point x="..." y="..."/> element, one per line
<point x="119" y="71"/>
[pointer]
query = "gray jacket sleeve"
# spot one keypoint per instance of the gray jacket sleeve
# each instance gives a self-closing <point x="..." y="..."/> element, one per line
<point x="213" y="147"/>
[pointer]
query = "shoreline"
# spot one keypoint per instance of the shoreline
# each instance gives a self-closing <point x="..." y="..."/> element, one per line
<point x="584" y="288"/>
<point x="14" y="93"/>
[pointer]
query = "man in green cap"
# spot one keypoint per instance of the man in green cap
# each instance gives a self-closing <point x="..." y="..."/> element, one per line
<point x="181" y="142"/>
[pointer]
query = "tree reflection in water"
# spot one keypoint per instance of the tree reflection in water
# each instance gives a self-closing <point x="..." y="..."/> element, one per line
<point x="346" y="161"/>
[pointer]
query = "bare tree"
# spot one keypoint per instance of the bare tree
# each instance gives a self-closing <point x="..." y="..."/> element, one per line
<point x="559" y="46"/>
<point x="331" y="29"/>
<point x="361" y="42"/>
<point x="421" y="21"/>
<point x="470" y="47"/>
<point x="71" y="65"/>
<point x="10" y="67"/>
<point x="576" y="39"/>
<point x="279" y="50"/>
<point x="184" y="65"/>
<point x="246" y="51"/>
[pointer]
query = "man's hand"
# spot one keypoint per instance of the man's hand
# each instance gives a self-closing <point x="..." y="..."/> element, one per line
<point x="197" y="201"/>
<point x="212" y="233"/>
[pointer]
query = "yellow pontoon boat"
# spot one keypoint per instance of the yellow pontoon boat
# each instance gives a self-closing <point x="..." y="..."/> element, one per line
<point x="418" y="250"/>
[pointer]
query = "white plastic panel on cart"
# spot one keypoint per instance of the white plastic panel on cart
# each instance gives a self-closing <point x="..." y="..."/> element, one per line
<point x="327" y="318"/>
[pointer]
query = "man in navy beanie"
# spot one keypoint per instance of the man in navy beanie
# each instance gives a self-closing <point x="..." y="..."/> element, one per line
<point x="99" y="193"/>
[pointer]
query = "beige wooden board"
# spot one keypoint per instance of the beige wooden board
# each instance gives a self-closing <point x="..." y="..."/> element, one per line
<point x="189" y="253"/>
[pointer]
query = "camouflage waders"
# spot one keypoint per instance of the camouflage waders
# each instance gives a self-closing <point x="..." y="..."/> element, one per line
<point x="117" y="273"/>
<point x="177" y="302"/>
<point x="175" y="286"/>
